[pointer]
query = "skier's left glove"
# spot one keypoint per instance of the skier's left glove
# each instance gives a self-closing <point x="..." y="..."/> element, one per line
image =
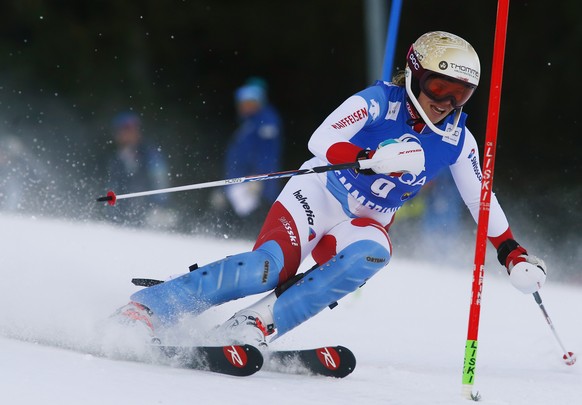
<point x="526" y="272"/>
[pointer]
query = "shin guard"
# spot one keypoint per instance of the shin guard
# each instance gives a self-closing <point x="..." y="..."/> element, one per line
<point x="326" y="284"/>
<point x="216" y="283"/>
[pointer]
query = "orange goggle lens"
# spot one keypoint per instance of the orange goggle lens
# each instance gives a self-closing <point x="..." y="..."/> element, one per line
<point x="440" y="88"/>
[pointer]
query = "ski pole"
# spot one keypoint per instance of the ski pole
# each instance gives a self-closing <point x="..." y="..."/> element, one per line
<point x="569" y="357"/>
<point x="111" y="197"/>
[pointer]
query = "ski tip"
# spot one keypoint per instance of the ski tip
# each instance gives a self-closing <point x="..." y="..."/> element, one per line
<point x="347" y="364"/>
<point x="110" y="198"/>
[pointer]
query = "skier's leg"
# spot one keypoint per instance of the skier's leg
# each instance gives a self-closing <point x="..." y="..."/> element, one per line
<point x="364" y="248"/>
<point x="227" y="279"/>
<point x="275" y="257"/>
<point x="349" y="269"/>
<point x="289" y="234"/>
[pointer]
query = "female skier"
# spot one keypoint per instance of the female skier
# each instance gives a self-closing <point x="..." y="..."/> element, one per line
<point x="402" y="134"/>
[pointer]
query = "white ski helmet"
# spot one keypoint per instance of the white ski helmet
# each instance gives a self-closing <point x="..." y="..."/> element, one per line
<point x="443" y="66"/>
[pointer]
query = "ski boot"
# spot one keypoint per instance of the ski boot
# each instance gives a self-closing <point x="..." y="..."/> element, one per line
<point x="140" y="319"/>
<point x="245" y="327"/>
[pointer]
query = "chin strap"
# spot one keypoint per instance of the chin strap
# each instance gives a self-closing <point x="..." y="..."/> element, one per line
<point x="415" y="121"/>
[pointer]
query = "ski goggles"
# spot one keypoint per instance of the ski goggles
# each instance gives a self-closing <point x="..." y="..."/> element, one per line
<point x="441" y="88"/>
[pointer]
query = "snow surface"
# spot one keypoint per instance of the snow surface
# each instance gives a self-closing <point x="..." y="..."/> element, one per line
<point x="407" y="328"/>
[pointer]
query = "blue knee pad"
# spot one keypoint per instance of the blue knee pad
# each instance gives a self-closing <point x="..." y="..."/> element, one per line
<point x="214" y="284"/>
<point x="326" y="284"/>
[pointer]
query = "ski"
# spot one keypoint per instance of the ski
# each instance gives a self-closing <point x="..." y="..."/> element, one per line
<point x="245" y="360"/>
<point x="330" y="361"/>
<point x="234" y="360"/>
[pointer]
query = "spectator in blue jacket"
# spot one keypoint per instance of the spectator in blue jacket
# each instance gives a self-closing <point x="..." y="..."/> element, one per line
<point x="137" y="165"/>
<point x="255" y="148"/>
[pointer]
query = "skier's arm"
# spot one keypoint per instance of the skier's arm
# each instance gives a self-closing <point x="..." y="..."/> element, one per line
<point x="527" y="272"/>
<point x="331" y="140"/>
<point x="467" y="175"/>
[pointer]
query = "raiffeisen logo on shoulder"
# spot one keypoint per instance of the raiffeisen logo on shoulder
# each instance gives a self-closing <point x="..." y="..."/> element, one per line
<point x="350" y="119"/>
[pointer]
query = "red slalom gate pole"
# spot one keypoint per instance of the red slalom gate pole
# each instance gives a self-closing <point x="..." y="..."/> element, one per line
<point x="485" y="200"/>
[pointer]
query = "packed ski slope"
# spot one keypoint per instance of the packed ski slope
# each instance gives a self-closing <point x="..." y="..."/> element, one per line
<point x="407" y="328"/>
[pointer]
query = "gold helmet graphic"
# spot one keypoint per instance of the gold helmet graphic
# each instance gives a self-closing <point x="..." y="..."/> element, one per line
<point x="445" y="67"/>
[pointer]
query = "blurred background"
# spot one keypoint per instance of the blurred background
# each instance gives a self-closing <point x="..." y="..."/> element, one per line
<point x="68" y="69"/>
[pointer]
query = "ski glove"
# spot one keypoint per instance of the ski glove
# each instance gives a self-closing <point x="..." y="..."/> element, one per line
<point x="393" y="157"/>
<point x="526" y="272"/>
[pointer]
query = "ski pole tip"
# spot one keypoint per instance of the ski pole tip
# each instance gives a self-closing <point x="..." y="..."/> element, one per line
<point x="110" y="198"/>
<point x="569" y="358"/>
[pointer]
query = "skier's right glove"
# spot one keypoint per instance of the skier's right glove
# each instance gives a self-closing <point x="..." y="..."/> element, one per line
<point x="526" y="272"/>
<point x="393" y="158"/>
